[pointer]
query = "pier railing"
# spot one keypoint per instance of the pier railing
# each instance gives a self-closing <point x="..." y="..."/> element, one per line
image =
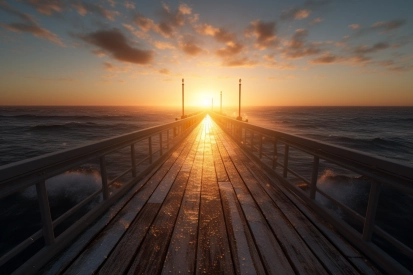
<point x="21" y="175"/>
<point x="276" y="151"/>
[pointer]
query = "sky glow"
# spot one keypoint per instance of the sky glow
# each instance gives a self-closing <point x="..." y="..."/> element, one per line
<point x="294" y="53"/>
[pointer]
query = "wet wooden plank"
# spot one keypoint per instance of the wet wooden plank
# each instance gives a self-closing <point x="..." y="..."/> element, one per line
<point x="213" y="252"/>
<point x="181" y="255"/>
<point x="122" y="255"/>
<point x="300" y="255"/>
<point x="152" y="252"/>
<point x="219" y="165"/>
<point x="97" y="251"/>
<point x="273" y="258"/>
<point x="336" y="255"/>
<point x="245" y="254"/>
<point x="328" y="254"/>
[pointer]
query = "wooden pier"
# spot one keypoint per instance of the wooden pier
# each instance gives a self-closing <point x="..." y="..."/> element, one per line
<point x="207" y="194"/>
<point x="209" y="209"/>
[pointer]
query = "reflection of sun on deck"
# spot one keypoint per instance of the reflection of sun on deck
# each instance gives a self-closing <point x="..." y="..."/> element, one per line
<point x="209" y="209"/>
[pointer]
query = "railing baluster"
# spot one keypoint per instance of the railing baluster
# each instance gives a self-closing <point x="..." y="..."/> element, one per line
<point x="275" y="155"/>
<point x="104" y="176"/>
<point x="286" y="151"/>
<point x="44" y="206"/>
<point x="132" y="155"/>
<point x="314" y="177"/>
<point x="371" y="211"/>
<point x="260" y="150"/>
<point x="160" y="144"/>
<point x="150" y="149"/>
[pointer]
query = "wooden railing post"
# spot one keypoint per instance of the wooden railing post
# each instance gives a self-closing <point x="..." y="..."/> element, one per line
<point x="44" y="206"/>
<point x="286" y="151"/>
<point x="104" y="176"/>
<point x="314" y="177"/>
<point x="167" y="139"/>
<point x="275" y="155"/>
<point x="252" y="141"/>
<point x="260" y="149"/>
<point x="132" y="155"/>
<point x="371" y="211"/>
<point x="160" y="144"/>
<point x="150" y="149"/>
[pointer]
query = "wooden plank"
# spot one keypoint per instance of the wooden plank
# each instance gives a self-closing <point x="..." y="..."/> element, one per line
<point x="300" y="255"/>
<point x="122" y="255"/>
<point x="219" y="165"/>
<point x="213" y="252"/>
<point x="181" y="253"/>
<point x="332" y="258"/>
<point x="325" y="243"/>
<point x="93" y="255"/>
<point x="152" y="252"/>
<point x="273" y="258"/>
<point x="246" y="257"/>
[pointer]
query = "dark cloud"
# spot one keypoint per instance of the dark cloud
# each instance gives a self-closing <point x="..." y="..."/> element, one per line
<point x="394" y="67"/>
<point x="361" y="50"/>
<point x="84" y="8"/>
<point x="28" y="25"/>
<point x="388" y="26"/>
<point x="190" y="46"/>
<point x="264" y="32"/>
<point x="326" y="58"/>
<point x="115" y="43"/>
<point x="297" y="47"/>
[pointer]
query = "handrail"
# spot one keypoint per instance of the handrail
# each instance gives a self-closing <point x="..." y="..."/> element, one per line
<point x="17" y="176"/>
<point x="382" y="171"/>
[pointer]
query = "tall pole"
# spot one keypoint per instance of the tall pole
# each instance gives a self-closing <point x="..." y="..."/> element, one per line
<point x="220" y="109"/>
<point x="239" y="103"/>
<point x="183" y="97"/>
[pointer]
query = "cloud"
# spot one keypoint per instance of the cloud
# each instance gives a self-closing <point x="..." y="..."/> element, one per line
<point x="114" y="68"/>
<point x="46" y="7"/>
<point x="360" y="50"/>
<point x="296" y="47"/>
<point x="230" y="50"/>
<point x="264" y="32"/>
<point x="129" y="5"/>
<point x="28" y="25"/>
<point x="144" y="23"/>
<point x="164" y="71"/>
<point x="163" y="45"/>
<point x="189" y="46"/>
<point x="85" y="8"/>
<point x="239" y="62"/>
<point x="220" y="34"/>
<point x="115" y="43"/>
<point x="389" y="25"/>
<point x="316" y="21"/>
<point x="354" y="26"/>
<point x="394" y="67"/>
<point x="295" y="13"/>
<point x="170" y="21"/>
<point x="327" y="58"/>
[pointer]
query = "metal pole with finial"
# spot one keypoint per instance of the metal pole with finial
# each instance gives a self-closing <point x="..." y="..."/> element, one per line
<point x="239" y="103"/>
<point x="220" y="108"/>
<point x="183" y="100"/>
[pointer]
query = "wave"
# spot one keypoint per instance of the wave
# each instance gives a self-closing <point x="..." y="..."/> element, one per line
<point x="79" y="125"/>
<point x="71" y="117"/>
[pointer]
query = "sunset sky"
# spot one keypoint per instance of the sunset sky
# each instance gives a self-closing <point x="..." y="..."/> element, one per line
<point x="117" y="52"/>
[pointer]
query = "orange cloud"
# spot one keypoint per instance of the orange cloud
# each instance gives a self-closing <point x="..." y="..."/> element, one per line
<point x="264" y="33"/>
<point x="85" y="8"/>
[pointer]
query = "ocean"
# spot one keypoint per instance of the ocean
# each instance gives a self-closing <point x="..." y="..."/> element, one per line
<point x="33" y="131"/>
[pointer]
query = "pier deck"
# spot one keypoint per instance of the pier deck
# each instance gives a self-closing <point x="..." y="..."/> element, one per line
<point x="210" y="209"/>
